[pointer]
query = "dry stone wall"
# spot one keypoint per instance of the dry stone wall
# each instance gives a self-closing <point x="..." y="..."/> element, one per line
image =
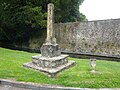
<point x="94" y="37"/>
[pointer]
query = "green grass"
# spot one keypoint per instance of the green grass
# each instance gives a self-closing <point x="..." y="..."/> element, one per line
<point x="107" y="76"/>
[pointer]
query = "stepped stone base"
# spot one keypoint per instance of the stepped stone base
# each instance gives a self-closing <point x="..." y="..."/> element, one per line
<point x="51" y="66"/>
<point x="47" y="62"/>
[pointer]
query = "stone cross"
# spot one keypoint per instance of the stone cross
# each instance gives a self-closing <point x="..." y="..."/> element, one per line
<point x="50" y="25"/>
<point x="51" y="61"/>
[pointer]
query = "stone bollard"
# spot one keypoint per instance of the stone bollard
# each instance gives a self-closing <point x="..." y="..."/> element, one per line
<point x="93" y="65"/>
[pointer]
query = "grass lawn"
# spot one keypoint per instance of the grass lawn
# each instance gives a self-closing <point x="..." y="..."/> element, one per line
<point x="107" y="76"/>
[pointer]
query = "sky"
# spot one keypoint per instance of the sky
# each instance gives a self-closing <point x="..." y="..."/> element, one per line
<point x="100" y="9"/>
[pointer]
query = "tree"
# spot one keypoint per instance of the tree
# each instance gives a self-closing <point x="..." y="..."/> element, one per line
<point x="68" y="11"/>
<point x="19" y="18"/>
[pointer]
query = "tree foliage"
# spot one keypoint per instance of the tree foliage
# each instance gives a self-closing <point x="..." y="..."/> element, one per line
<point x="68" y="11"/>
<point x="19" y="17"/>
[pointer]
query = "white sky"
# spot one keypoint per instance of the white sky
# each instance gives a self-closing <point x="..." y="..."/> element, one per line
<point x="100" y="9"/>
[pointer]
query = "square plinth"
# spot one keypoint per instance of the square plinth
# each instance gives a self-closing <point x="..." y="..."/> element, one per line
<point x="50" y="71"/>
<point x="50" y="50"/>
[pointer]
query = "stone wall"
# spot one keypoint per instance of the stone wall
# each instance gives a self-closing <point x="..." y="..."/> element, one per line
<point x="100" y="37"/>
<point x="37" y="39"/>
<point x="94" y="37"/>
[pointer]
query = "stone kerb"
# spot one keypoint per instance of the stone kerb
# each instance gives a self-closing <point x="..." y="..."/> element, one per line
<point x="34" y="86"/>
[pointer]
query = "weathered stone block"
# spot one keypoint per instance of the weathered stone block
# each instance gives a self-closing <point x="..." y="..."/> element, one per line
<point x="50" y="50"/>
<point x="47" y="62"/>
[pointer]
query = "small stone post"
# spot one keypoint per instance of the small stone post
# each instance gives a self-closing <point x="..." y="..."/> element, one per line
<point x="93" y="65"/>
